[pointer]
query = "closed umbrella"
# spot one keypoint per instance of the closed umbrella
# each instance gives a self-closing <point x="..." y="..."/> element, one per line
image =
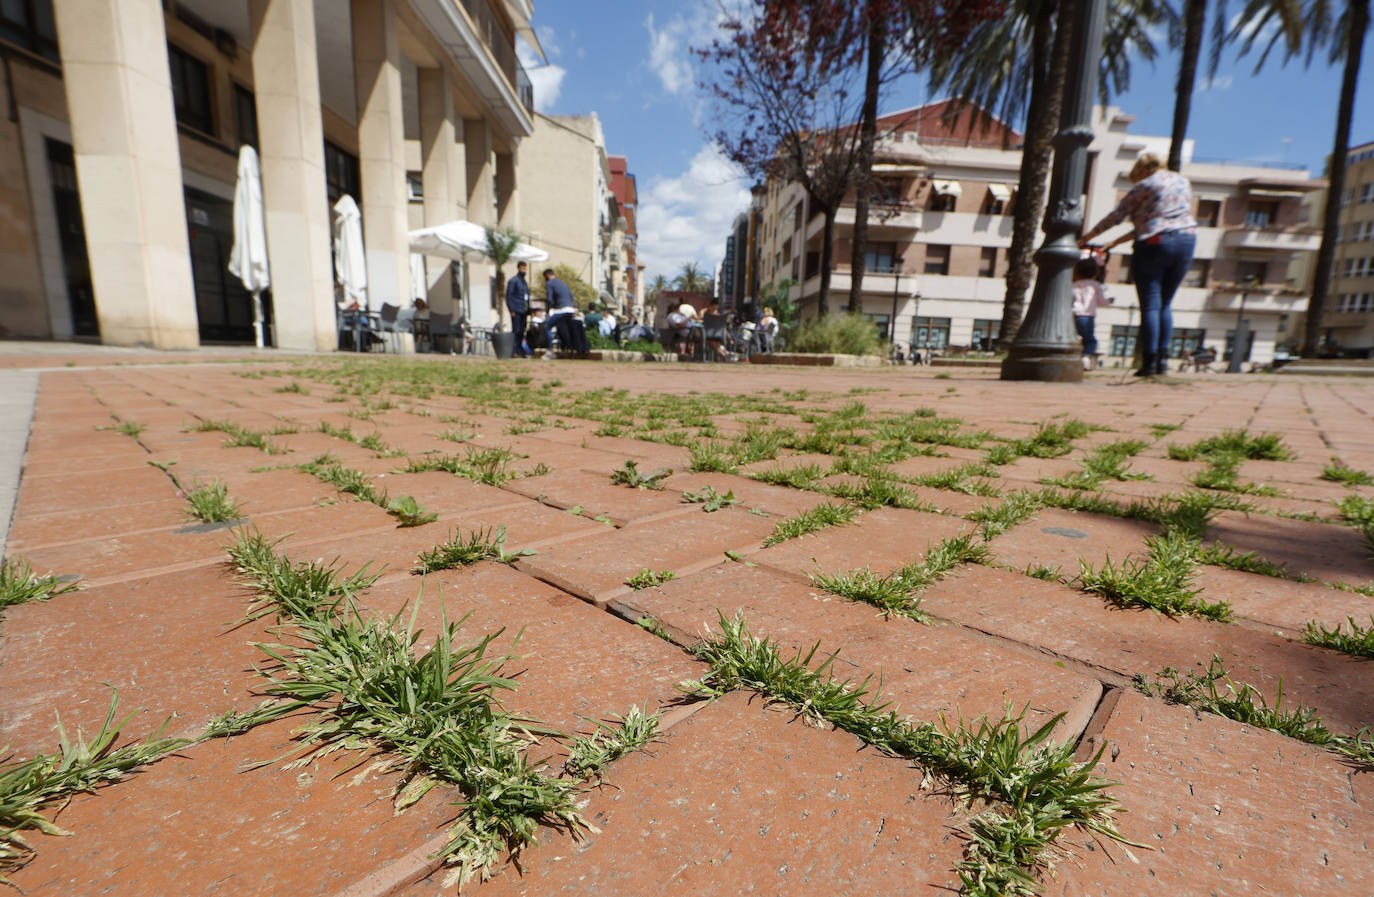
<point x="418" y="281"/>
<point x="248" y="260"/>
<point x="350" y="264"/>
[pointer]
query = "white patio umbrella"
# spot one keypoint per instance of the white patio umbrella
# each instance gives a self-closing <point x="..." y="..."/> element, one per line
<point x="465" y="242"/>
<point x="248" y="260"/>
<point x="350" y="263"/>
<point x="419" y="281"/>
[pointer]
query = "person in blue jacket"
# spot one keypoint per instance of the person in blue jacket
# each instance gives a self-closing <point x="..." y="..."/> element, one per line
<point x="563" y="320"/>
<point x="518" y="302"/>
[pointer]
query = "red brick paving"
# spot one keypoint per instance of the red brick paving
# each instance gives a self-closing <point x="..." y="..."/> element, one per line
<point x="734" y="796"/>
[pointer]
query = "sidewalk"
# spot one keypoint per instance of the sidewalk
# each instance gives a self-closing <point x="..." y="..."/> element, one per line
<point x="942" y="473"/>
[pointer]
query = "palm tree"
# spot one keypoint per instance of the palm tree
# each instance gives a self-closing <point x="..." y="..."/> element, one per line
<point x="1016" y="64"/>
<point x="500" y="247"/>
<point x="692" y="279"/>
<point x="657" y="285"/>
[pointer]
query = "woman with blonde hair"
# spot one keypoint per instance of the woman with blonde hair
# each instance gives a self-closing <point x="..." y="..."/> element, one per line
<point x="1160" y="205"/>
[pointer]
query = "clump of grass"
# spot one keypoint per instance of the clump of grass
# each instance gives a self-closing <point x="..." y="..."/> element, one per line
<point x="960" y="479"/>
<point x="130" y="428"/>
<point x="294" y="387"/>
<point x="588" y="755"/>
<point x="291" y="591"/>
<point x="646" y="578"/>
<point x="1162" y="430"/>
<point x="878" y="492"/>
<point x="650" y="625"/>
<point x="409" y="512"/>
<point x="709" y="499"/>
<point x="211" y="503"/>
<point x="1045" y="572"/>
<point x="1223" y="474"/>
<point x="821" y="516"/>
<point x="709" y="456"/>
<point x="1162" y="580"/>
<point x="1052" y="438"/>
<point x="1264" y="447"/>
<point x="1338" y="472"/>
<point x="995" y="518"/>
<point x="489" y="466"/>
<point x="462" y="551"/>
<point x="1357" y="510"/>
<point x="20" y="585"/>
<point x="80" y="765"/>
<point x="1219" y="554"/>
<point x="1359" y="640"/>
<point x="1105" y="462"/>
<point x="803" y="476"/>
<point x="629" y="475"/>
<point x="1244" y="703"/>
<point x="456" y="434"/>
<point x="1039" y="789"/>
<point x="345" y="479"/>
<point x="899" y="592"/>
<point x="240" y="437"/>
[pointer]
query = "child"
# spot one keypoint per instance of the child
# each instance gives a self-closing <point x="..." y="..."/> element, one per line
<point x="1088" y="297"/>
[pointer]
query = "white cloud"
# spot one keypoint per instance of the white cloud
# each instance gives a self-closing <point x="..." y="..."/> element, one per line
<point x="546" y="78"/>
<point x="668" y="49"/>
<point x="687" y="218"/>
<point x="548" y="39"/>
<point x="1220" y="82"/>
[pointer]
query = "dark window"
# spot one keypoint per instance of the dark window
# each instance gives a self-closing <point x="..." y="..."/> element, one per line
<point x="1208" y="212"/>
<point x="1123" y="340"/>
<point x="987" y="262"/>
<point x="985" y="332"/>
<point x="880" y="257"/>
<point x="72" y="237"/>
<point x="942" y="202"/>
<point x="813" y="264"/>
<point x="29" y="23"/>
<point x="341" y="174"/>
<point x="937" y="260"/>
<point x="1262" y="213"/>
<point x="1197" y="273"/>
<point x="994" y="206"/>
<point x="1185" y="338"/>
<point x="190" y="90"/>
<point x="880" y="323"/>
<point x="245" y="116"/>
<point x="1125" y="275"/>
<point x="930" y="333"/>
<point x="1250" y="272"/>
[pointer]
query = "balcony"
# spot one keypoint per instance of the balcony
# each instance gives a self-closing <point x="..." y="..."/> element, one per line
<point x="477" y="40"/>
<point x="1272" y="238"/>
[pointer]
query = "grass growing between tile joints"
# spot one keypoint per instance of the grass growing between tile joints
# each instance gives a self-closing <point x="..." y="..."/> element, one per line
<point x="410" y="512"/>
<point x="20" y="585"/>
<point x="899" y="592"/>
<point x="80" y="765"/>
<point x="239" y="437"/>
<point x="1162" y="580"/>
<point x="488" y="466"/>
<point x="291" y="590"/>
<point x="1336" y="471"/>
<point x="210" y="502"/>
<point x="1035" y="787"/>
<point x="462" y="551"/>
<point x="373" y="442"/>
<point x="1103" y="463"/>
<point x="588" y="755"/>
<point x="709" y="456"/>
<point x="877" y="492"/>
<point x="436" y="710"/>
<point x="809" y="521"/>
<point x="345" y="479"/>
<point x="995" y="518"/>
<point x="709" y="499"/>
<point x="629" y="475"/>
<point x="1264" y="447"/>
<point x="1223" y="474"/>
<point x="646" y="578"/>
<point x="650" y="625"/>
<point x="1358" y="640"/>
<point x="803" y="476"/>
<point x="1244" y="703"/>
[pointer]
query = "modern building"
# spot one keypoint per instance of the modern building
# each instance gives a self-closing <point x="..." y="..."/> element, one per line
<point x="1348" y="320"/>
<point x="125" y="120"/>
<point x="940" y="229"/>
<point x="629" y="280"/>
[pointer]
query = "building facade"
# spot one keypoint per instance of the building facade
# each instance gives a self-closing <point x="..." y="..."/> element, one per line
<point x="1348" y="320"/>
<point x="119" y="157"/>
<point x="566" y="202"/>
<point x="940" y="228"/>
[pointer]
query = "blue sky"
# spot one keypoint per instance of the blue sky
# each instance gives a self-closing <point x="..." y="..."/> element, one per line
<point x="630" y="63"/>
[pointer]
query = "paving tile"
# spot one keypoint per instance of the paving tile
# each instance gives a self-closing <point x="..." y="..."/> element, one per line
<point x="449" y="494"/>
<point x="594" y="493"/>
<point x="881" y="540"/>
<point x="1057" y="538"/>
<point x="37" y="530"/>
<point x="210" y="820"/>
<point x="1326" y="551"/>
<point x="1067" y="623"/>
<point x="91" y="491"/>
<point x="777" y="501"/>
<point x="926" y="670"/>
<point x="1282" y="603"/>
<point x="1225" y="809"/>
<point x="921" y="465"/>
<point x="596" y="568"/>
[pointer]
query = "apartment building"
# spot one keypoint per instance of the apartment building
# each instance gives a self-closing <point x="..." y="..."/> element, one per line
<point x="118" y="157"/>
<point x="628" y="276"/>
<point x="940" y="229"/>
<point x="1348" y="320"/>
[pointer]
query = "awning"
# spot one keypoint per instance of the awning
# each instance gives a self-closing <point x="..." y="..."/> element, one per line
<point x="1276" y="194"/>
<point x="948" y="188"/>
<point x="1000" y="191"/>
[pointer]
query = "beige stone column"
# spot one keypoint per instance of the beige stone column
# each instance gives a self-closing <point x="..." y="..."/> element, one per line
<point x="128" y="166"/>
<point x="481" y="210"/>
<point x="381" y="151"/>
<point x="291" y="147"/>
<point x="507" y="183"/>
<point x="442" y="173"/>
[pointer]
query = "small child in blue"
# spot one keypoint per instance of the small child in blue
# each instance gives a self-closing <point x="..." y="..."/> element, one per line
<point x="1088" y="297"/>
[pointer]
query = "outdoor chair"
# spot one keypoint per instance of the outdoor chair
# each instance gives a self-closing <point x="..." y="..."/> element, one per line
<point x="714" y="329"/>
<point x="438" y="329"/>
<point x="387" y="324"/>
<point x="358" y="324"/>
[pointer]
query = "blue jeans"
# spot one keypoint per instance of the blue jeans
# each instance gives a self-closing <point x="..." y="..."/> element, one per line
<point x="1087" y="329"/>
<point x="1157" y="269"/>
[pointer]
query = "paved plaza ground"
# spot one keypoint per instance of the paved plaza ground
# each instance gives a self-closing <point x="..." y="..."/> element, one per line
<point x="989" y="553"/>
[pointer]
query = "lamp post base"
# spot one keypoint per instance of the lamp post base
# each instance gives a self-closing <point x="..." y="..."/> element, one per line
<point x="1043" y="364"/>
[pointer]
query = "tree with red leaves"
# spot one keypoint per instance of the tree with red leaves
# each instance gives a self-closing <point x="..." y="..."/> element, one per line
<point x="797" y="84"/>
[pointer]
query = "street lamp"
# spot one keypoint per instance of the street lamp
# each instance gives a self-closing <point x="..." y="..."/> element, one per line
<point x="896" y="278"/>
<point x="1242" y="332"/>
<point x="1046" y="346"/>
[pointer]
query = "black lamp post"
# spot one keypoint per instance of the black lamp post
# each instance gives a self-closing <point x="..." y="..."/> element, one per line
<point x="1242" y="332"/>
<point x="896" y="279"/>
<point x="1046" y="346"/>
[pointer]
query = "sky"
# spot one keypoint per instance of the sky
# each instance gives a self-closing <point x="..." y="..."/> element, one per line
<point x="630" y="62"/>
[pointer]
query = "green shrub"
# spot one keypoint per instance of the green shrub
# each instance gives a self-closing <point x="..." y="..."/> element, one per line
<point x="837" y="334"/>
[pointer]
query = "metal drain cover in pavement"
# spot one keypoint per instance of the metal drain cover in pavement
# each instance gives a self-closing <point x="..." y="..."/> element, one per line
<point x="1064" y="531"/>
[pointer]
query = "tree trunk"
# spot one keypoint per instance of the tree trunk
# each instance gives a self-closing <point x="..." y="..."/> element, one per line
<point x="1049" y="65"/>
<point x="1316" y="306"/>
<point x="863" y="182"/>
<point x="1194" y="21"/>
<point x="499" y="300"/>
<point x="827" y="257"/>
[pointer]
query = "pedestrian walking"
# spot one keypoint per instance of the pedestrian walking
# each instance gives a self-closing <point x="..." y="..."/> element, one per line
<point x="518" y="303"/>
<point x="572" y="334"/>
<point x="1160" y="206"/>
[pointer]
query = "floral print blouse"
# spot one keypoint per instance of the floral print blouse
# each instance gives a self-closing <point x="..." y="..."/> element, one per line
<point x="1159" y="203"/>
